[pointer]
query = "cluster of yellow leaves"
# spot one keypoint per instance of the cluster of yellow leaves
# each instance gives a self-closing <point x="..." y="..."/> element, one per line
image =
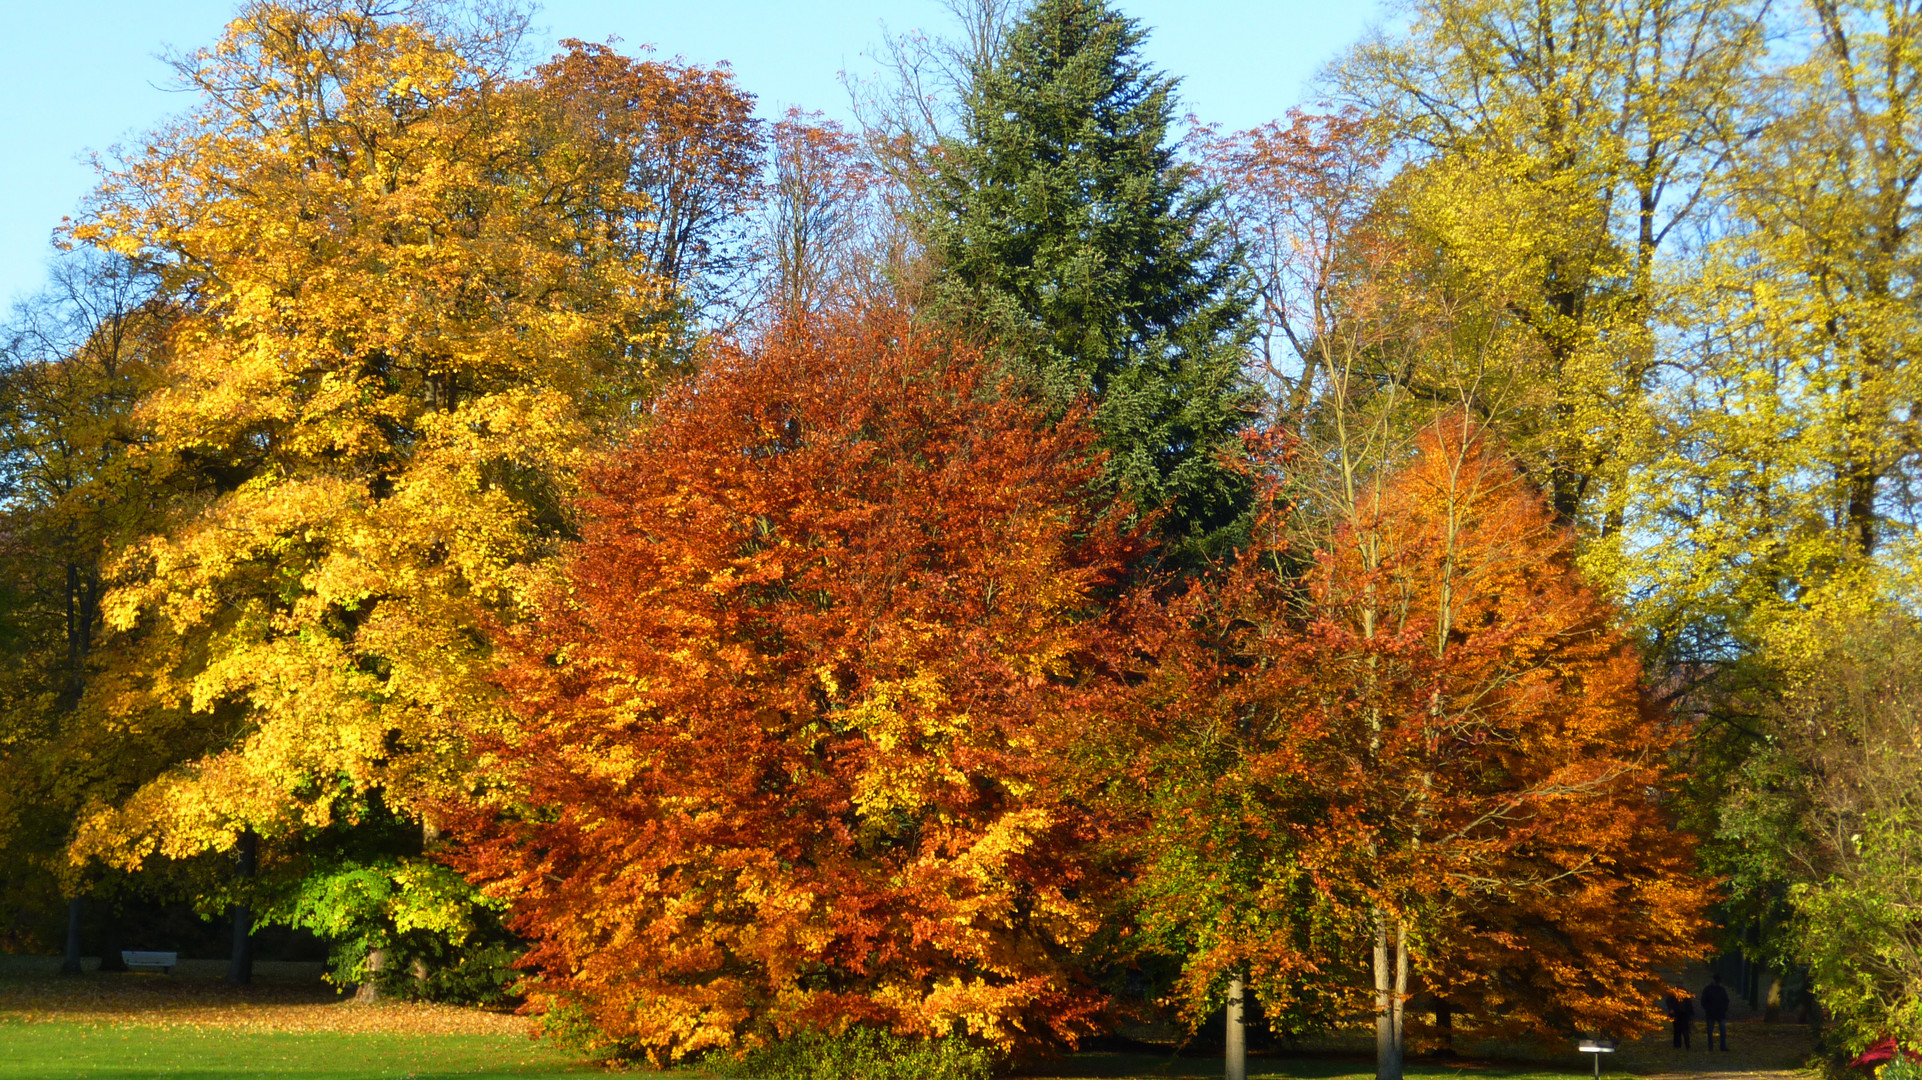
<point x="1781" y="482"/>
<point x="1555" y="150"/>
<point x="411" y="304"/>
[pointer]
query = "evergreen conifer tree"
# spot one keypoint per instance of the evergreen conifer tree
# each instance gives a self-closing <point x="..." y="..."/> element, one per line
<point x="1066" y="231"/>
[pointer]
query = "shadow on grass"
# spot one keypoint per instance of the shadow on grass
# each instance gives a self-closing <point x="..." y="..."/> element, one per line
<point x="1757" y="1049"/>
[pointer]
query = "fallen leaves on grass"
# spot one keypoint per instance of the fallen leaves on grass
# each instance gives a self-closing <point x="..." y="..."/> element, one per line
<point x="174" y="1002"/>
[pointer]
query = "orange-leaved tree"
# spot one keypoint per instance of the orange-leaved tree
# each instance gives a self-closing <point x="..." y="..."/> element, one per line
<point x="1439" y="737"/>
<point x="784" y="756"/>
<point x="1493" y="764"/>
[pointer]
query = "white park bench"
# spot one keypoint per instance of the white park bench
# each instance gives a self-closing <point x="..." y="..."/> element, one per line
<point x="150" y="961"/>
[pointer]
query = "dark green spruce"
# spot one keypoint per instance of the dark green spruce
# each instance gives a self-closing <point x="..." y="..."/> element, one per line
<point x="1066" y="231"/>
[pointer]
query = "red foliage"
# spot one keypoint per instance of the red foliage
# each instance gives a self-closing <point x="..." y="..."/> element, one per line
<point x="783" y="749"/>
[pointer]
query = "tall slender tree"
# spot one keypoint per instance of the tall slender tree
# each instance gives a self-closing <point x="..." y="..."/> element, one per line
<point x="1066" y="231"/>
<point x="1421" y="761"/>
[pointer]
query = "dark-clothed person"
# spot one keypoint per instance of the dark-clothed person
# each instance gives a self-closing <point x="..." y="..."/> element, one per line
<point x="1681" y="1011"/>
<point x="1715" y="1012"/>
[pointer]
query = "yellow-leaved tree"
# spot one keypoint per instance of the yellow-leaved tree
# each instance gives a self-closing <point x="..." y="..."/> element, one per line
<point x="1552" y="150"/>
<point x="415" y="288"/>
<point x="1792" y="440"/>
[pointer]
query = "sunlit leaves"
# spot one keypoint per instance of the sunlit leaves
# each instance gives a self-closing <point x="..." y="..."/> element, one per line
<point x="415" y="290"/>
<point x="786" y="742"/>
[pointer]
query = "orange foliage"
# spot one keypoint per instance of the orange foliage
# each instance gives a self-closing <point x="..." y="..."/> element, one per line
<point x="1503" y="761"/>
<point x="783" y="755"/>
<point x="683" y="136"/>
<point x="1436" y="725"/>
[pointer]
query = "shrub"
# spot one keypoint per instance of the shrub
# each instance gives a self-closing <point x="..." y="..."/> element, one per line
<point x="860" y="1054"/>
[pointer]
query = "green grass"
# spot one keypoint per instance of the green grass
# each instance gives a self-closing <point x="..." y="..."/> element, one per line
<point x="67" y="1051"/>
<point x="86" y="1051"/>
<point x="192" y="1025"/>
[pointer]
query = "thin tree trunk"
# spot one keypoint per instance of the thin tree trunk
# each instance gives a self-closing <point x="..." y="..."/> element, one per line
<point x="1387" y="1038"/>
<point x="1237" y="1054"/>
<point x="81" y="598"/>
<point x="70" y="964"/>
<point x="1401" y="989"/>
<point x="240" y="964"/>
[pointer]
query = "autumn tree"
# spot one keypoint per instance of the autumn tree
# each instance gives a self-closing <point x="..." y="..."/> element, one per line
<point x="1790" y="442"/>
<point x="785" y="747"/>
<point x="1829" y="806"/>
<point x="73" y="361"/>
<point x="1779" y="500"/>
<point x="1436" y="746"/>
<point x="1557" y="153"/>
<point x="1064" y="228"/>
<point x="816" y="226"/>
<point x="411" y="289"/>
<point x="1299" y="200"/>
<point x="685" y="139"/>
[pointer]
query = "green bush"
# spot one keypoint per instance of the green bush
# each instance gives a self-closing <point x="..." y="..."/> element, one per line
<point x="860" y="1054"/>
<point x="438" y="938"/>
<point x="1901" y="1068"/>
<point x="571" y="1028"/>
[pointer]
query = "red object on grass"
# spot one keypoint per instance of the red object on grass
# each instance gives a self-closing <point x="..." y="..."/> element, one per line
<point x="1882" y="1051"/>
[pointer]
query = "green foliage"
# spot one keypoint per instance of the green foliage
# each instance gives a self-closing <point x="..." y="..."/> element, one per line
<point x="1066" y="231"/>
<point x="435" y="936"/>
<point x="1902" y="1068"/>
<point x="860" y="1053"/>
<point x="569" y="1025"/>
<point x="1827" y="813"/>
<point x="1860" y="932"/>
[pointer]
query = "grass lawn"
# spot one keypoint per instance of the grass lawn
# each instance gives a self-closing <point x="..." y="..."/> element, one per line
<point x="287" y="1024"/>
<point x="71" y="1051"/>
<point x="290" y="1025"/>
<point x="1142" y="1066"/>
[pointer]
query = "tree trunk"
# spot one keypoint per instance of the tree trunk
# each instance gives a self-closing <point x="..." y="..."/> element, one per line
<point x="110" y="943"/>
<point x="1237" y="1053"/>
<point x="1387" y="1006"/>
<point x="70" y="964"/>
<point x="369" y="988"/>
<point x="1445" y="1025"/>
<point x="240" y="964"/>
<point x="1401" y="989"/>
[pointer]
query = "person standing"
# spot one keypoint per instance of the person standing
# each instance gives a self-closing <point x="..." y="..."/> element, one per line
<point x="1681" y="1012"/>
<point x="1680" y="1009"/>
<point x="1715" y="1011"/>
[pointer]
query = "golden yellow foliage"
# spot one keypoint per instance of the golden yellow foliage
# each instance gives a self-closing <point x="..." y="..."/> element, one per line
<point x="1554" y="150"/>
<point x="408" y="306"/>
<point x="1791" y="439"/>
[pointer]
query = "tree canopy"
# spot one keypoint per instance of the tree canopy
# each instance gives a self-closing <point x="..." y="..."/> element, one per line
<point x="1066" y="228"/>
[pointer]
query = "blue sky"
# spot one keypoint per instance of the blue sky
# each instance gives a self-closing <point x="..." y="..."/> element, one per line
<point x="83" y="75"/>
